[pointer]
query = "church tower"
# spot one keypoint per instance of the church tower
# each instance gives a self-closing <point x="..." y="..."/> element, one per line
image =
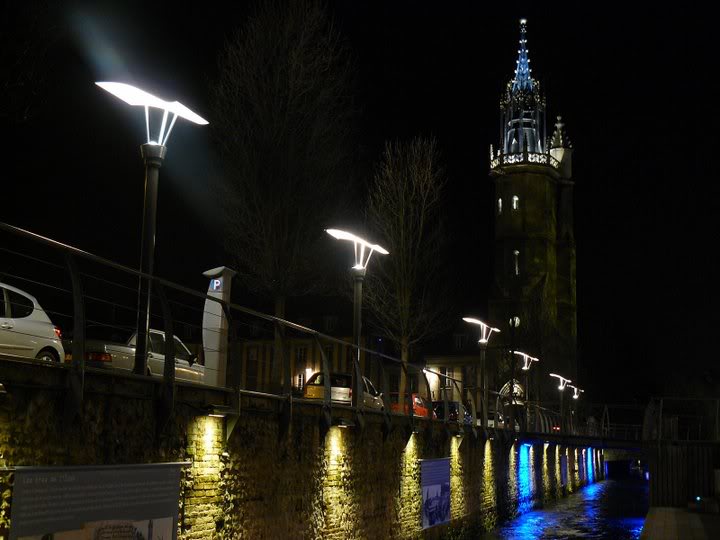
<point x="534" y="274"/>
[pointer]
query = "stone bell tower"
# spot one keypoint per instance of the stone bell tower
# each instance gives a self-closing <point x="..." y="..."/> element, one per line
<point x="534" y="274"/>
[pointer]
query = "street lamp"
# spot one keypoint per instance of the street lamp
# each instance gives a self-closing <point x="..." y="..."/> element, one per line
<point x="527" y="364"/>
<point x="576" y="391"/>
<point x="482" y="378"/>
<point x="363" y="252"/>
<point x="153" y="153"/>
<point x="563" y="382"/>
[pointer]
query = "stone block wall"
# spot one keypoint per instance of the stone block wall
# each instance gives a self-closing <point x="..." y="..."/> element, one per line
<point x="296" y="479"/>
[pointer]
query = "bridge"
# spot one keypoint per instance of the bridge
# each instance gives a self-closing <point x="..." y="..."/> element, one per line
<point x="247" y="392"/>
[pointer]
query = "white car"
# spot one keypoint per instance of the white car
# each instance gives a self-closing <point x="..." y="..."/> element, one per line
<point x="25" y="329"/>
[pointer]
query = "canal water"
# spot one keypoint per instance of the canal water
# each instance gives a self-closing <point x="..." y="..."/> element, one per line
<point x="607" y="510"/>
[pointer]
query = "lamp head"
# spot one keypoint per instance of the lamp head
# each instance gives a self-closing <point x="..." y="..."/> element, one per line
<point x="485" y="330"/>
<point x="527" y="360"/>
<point x="563" y="381"/>
<point x="361" y="246"/>
<point x="139" y="98"/>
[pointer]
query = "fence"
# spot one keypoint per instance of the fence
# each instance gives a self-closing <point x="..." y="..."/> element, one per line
<point x="94" y="303"/>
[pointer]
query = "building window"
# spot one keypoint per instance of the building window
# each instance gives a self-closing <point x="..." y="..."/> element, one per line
<point x="516" y="262"/>
<point x="499" y="206"/>
<point x="516" y="202"/>
<point x="459" y="341"/>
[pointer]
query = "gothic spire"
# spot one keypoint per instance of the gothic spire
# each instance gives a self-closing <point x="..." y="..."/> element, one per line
<point x="523" y="107"/>
<point x="523" y="80"/>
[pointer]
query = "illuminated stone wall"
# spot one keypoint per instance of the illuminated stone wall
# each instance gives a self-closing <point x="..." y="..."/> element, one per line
<point x="294" y="480"/>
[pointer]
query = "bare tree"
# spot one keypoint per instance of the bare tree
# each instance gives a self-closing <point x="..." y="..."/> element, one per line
<point x="405" y="290"/>
<point x="282" y="115"/>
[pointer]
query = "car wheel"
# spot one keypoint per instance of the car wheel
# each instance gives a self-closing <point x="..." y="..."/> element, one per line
<point x="47" y="355"/>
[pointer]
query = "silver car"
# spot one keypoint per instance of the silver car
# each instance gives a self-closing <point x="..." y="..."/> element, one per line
<point x="341" y="390"/>
<point x="25" y="329"/>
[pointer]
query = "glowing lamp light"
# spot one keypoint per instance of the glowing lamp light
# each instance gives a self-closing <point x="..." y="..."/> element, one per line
<point x="527" y="360"/>
<point x="139" y="98"/>
<point x="563" y="381"/>
<point x="485" y="330"/>
<point x="576" y="391"/>
<point x="361" y="247"/>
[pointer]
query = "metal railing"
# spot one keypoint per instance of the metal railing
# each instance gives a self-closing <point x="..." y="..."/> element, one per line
<point x="682" y="419"/>
<point x="94" y="301"/>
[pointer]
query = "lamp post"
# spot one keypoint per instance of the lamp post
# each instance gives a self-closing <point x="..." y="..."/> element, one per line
<point x="563" y="383"/>
<point x="527" y="364"/>
<point x="481" y="381"/>
<point x="363" y="252"/>
<point x="153" y="153"/>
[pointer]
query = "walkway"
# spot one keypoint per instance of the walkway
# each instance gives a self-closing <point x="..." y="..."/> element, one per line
<point x="663" y="523"/>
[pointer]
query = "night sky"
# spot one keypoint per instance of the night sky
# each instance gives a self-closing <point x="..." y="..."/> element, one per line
<point x="637" y="91"/>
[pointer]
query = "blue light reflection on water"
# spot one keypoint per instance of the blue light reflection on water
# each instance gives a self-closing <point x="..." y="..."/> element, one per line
<point x="608" y="510"/>
<point x="590" y="468"/>
<point x="525" y="479"/>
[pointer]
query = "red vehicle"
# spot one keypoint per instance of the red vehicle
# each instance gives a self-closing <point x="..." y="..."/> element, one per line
<point x="421" y="406"/>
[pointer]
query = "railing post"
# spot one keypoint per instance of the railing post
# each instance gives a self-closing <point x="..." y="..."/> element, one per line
<point x="408" y="394"/>
<point x="284" y="362"/>
<point x="385" y="385"/>
<point x="429" y="393"/>
<point x="168" y="383"/>
<point x="77" y="370"/>
<point x="327" y="385"/>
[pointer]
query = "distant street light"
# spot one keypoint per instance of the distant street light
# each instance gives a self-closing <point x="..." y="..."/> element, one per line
<point x="527" y="364"/>
<point x="563" y="381"/>
<point x="481" y="381"/>
<point x="153" y="153"/>
<point x="363" y="252"/>
<point x="562" y="384"/>
<point x="576" y="391"/>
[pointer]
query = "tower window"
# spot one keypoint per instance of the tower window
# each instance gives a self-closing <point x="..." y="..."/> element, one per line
<point x="515" y="202"/>
<point x="516" y="262"/>
<point x="499" y="206"/>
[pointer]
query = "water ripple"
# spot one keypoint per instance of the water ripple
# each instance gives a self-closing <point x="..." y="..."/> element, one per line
<point x="609" y="510"/>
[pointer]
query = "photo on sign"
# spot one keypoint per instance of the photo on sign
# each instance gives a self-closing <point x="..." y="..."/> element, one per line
<point x="436" y="505"/>
<point x="149" y="529"/>
<point x="435" y="482"/>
